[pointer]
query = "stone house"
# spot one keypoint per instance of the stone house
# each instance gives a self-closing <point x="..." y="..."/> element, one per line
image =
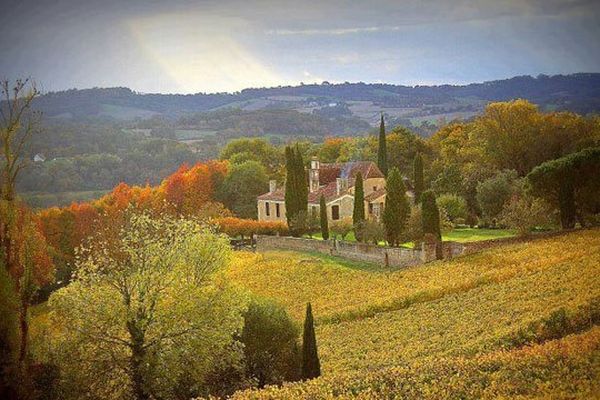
<point x="334" y="181"/>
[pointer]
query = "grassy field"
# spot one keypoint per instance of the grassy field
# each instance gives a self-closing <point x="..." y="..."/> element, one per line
<point x="467" y="318"/>
<point x="455" y="235"/>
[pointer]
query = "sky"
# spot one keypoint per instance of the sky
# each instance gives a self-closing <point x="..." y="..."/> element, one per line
<point x="187" y="46"/>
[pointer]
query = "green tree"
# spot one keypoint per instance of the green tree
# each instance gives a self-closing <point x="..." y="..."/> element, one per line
<point x="242" y="184"/>
<point x="257" y="149"/>
<point x="146" y="314"/>
<point x="311" y="367"/>
<point x="358" y="213"/>
<point x="397" y="208"/>
<point x="296" y="187"/>
<point x="454" y="206"/>
<point x="418" y="184"/>
<point x="270" y="344"/>
<point x="382" y="151"/>
<point x="562" y="181"/>
<point x="430" y="218"/>
<point x="323" y="217"/>
<point x="494" y="192"/>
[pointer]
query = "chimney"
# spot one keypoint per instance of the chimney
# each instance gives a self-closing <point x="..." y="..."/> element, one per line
<point x="272" y="185"/>
<point x="313" y="175"/>
<point x="341" y="185"/>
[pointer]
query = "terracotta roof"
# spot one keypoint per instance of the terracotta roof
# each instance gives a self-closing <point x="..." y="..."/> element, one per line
<point x="375" y="195"/>
<point x="330" y="171"/>
<point x="278" y="194"/>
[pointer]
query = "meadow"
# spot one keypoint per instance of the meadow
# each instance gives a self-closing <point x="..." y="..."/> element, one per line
<point x="472" y="327"/>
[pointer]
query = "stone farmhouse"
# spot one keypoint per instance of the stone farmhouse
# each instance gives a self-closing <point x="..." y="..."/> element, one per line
<point x="335" y="182"/>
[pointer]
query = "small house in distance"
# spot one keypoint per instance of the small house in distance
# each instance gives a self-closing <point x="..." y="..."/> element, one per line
<point x="39" y="158"/>
<point x="335" y="182"/>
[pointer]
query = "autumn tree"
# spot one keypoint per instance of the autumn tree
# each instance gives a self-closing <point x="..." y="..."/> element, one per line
<point x="397" y="208"/>
<point x="358" y="213"/>
<point x="23" y="248"/>
<point x="145" y="312"/>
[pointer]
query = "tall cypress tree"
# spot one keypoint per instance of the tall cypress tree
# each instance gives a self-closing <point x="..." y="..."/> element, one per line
<point x="382" y="152"/>
<point x="323" y="215"/>
<point x="302" y="181"/>
<point x="397" y="209"/>
<point x="296" y="189"/>
<point x="291" y="209"/>
<point x="311" y="367"/>
<point x="418" y="184"/>
<point x="430" y="218"/>
<point x="358" y="214"/>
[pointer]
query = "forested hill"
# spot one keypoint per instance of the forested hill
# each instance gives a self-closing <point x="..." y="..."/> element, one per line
<point x="577" y="92"/>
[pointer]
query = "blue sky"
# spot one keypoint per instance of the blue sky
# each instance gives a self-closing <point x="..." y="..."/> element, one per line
<point x="186" y="46"/>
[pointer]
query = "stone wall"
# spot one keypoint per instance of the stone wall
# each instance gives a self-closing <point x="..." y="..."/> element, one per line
<point x="384" y="256"/>
<point x="388" y="256"/>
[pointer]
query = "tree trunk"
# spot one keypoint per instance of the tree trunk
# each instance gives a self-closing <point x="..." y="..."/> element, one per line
<point x="24" y="332"/>
<point x="566" y="199"/>
<point x="136" y="362"/>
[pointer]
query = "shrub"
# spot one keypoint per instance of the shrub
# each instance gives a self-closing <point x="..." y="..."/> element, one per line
<point x="341" y="228"/>
<point x="270" y="344"/>
<point x="524" y="213"/>
<point x="372" y="231"/>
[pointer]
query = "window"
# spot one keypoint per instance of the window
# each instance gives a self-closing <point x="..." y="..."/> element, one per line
<point x="374" y="188"/>
<point x="313" y="210"/>
<point x="335" y="212"/>
<point x="370" y="208"/>
<point x="277" y="210"/>
<point x="267" y="209"/>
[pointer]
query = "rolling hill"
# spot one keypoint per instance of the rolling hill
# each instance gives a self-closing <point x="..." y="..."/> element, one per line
<point x="515" y="321"/>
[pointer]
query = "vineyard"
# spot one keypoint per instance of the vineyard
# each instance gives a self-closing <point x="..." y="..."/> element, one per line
<point x="517" y="320"/>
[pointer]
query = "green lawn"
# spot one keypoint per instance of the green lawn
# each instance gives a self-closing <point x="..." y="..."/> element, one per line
<point x="456" y="235"/>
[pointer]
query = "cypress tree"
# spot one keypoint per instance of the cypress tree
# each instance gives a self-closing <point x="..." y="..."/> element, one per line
<point x="418" y="177"/>
<point x="324" y="221"/>
<point x="302" y="181"/>
<point x="311" y="367"/>
<point x="430" y="218"/>
<point x="291" y="209"/>
<point x="382" y="152"/>
<point x="358" y="213"/>
<point x="296" y="187"/>
<point x="396" y="209"/>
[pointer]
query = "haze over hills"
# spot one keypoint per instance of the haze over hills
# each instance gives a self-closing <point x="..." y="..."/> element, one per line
<point x="352" y="103"/>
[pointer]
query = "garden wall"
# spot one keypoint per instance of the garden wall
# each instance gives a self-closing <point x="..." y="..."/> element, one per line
<point x="388" y="256"/>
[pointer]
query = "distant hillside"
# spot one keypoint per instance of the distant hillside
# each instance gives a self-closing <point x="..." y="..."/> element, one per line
<point x="410" y="105"/>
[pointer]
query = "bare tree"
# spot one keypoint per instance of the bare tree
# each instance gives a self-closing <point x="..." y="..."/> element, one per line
<point x="18" y="122"/>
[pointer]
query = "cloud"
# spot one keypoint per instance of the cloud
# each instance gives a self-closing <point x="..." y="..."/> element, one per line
<point x="201" y="53"/>
<point x="342" y="31"/>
